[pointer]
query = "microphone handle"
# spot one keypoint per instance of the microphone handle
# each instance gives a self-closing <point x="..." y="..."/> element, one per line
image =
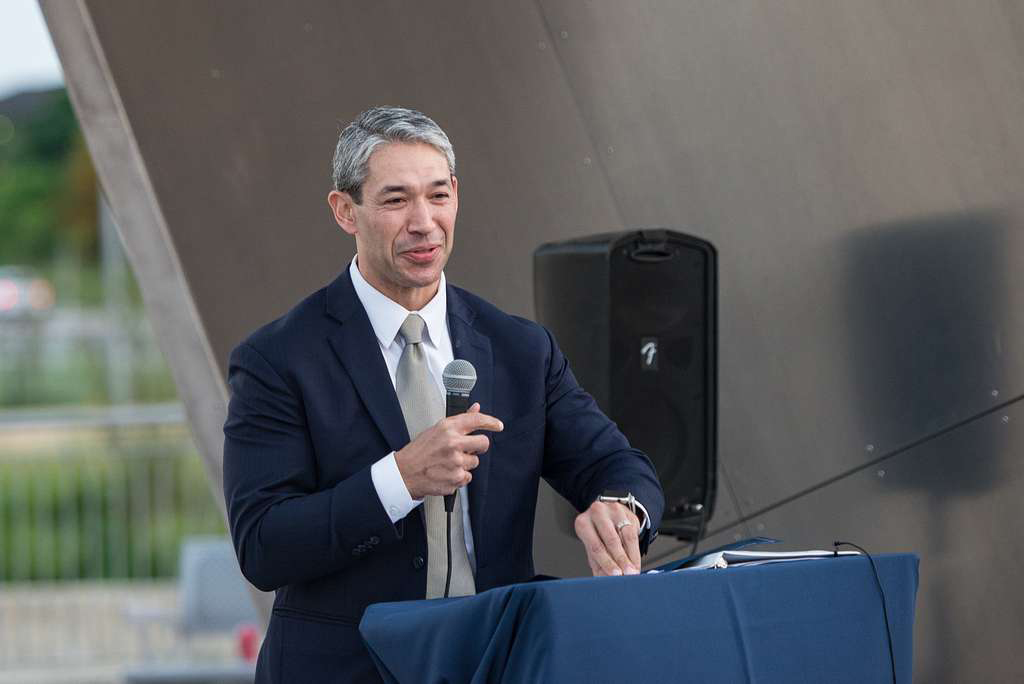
<point x="454" y="404"/>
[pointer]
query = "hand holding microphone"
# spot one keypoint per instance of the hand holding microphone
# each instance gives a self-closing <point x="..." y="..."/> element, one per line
<point x="442" y="457"/>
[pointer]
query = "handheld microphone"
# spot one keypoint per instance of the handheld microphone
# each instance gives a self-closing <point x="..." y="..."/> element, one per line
<point x="458" y="377"/>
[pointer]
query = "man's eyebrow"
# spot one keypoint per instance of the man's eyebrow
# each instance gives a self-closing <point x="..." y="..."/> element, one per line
<point x="439" y="183"/>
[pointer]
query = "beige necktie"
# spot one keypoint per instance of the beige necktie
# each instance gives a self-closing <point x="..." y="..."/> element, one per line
<point x="422" y="406"/>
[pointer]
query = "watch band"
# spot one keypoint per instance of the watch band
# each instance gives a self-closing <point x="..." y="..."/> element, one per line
<point x="627" y="499"/>
<point x="624" y="498"/>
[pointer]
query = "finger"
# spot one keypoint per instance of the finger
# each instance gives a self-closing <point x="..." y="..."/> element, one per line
<point x="466" y="460"/>
<point x="613" y="543"/>
<point x="454" y="479"/>
<point x="596" y="552"/>
<point x="631" y="541"/>
<point x="473" y="444"/>
<point x="475" y="408"/>
<point x="468" y="422"/>
<point x="447" y="473"/>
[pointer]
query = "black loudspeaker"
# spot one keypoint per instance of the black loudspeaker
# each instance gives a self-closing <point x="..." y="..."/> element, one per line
<point x="636" y="315"/>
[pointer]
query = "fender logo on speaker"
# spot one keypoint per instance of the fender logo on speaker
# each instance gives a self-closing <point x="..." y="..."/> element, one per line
<point x="649" y="353"/>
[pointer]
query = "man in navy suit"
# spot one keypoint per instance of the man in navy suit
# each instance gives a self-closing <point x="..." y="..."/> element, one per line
<point x="329" y="485"/>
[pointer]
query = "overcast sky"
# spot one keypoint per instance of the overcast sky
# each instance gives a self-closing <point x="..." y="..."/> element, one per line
<point x="27" y="58"/>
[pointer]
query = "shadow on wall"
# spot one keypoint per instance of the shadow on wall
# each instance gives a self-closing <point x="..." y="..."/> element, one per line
<point x="926" y="309"/>
<point x="926" y="303"/>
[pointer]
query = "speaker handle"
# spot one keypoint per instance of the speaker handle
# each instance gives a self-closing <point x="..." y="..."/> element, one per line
<point x="653" y="253"/>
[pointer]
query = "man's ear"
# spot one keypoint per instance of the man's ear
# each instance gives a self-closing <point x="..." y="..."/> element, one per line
<point x="344" y="209"/>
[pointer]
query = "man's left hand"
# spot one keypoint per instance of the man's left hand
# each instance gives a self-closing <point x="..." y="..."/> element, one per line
<point x="613" y="548"/>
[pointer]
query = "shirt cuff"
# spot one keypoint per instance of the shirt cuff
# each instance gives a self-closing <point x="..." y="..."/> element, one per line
<point x="391" y="490"/>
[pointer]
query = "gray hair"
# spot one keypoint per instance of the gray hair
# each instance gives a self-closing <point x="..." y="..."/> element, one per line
<point x="374" y="127"/>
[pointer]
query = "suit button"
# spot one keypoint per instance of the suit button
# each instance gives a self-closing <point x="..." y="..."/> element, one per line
<point x="374" y="540"/>
<point x="418" y="562"/>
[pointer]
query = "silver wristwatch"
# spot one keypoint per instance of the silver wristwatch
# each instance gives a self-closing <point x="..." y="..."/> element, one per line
<point x="624" y="498"/>
<point x="647" y="533"/>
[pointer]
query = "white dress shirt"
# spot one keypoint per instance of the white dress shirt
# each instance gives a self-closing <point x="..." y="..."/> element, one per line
<point x="386" y="317"/>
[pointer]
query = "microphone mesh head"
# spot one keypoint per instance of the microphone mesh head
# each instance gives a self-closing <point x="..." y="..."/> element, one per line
<point x="459" y="376"/>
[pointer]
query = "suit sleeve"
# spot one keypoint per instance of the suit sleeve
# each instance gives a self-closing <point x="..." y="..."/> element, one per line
<point x="586" y="453"/>
<point x="284" y="529"/>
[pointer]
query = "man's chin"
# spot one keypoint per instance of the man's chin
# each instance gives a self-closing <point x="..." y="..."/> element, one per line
<point x="421" y="278"/>
<point x="424" y="273"/>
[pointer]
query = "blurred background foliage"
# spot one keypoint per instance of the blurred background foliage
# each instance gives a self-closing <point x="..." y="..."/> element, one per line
<point x="49" y="222"/>
<point x="48" y="200"/>
<point x="83" y="495"/>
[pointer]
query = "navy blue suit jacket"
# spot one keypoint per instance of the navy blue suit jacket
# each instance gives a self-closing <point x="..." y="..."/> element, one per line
<point x="312" y="408"/>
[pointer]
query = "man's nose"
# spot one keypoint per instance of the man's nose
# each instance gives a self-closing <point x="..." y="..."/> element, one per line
<point x="420" y="218"/>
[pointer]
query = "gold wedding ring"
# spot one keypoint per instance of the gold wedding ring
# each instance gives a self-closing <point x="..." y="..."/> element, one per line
<point x="622" y="523"/>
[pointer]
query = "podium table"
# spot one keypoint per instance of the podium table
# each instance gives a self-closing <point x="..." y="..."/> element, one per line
<point x="802" y="621"/>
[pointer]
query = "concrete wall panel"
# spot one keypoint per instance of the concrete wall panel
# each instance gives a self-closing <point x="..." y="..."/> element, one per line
<point x="858" y="165"/>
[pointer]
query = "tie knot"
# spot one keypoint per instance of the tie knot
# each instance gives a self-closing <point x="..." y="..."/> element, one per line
<point x="412" y="329"/>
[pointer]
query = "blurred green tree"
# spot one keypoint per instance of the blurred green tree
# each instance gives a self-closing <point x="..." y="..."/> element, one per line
<point x="47" y="184"/>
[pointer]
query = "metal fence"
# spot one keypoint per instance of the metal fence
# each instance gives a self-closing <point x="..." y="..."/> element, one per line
<point x="94" y="505"/>
<point x="98" y="502"/>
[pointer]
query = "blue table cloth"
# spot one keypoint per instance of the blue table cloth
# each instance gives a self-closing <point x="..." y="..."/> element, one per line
<point x="804" y="621"/>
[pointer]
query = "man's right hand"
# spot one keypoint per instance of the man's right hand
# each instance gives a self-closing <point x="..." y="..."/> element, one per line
<point x="441" y="458"/>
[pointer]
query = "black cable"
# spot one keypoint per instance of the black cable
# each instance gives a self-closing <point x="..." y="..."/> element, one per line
<point x="885" y="608"/>
<point x="448" y="534"/>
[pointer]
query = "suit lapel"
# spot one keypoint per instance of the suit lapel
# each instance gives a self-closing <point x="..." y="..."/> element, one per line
<point x="356" y="347"/>
<point x="469" y="344"/>
<point x="358" y="351"/>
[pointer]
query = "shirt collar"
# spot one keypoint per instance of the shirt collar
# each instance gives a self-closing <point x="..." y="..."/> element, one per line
<point x="386" y="315"/>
